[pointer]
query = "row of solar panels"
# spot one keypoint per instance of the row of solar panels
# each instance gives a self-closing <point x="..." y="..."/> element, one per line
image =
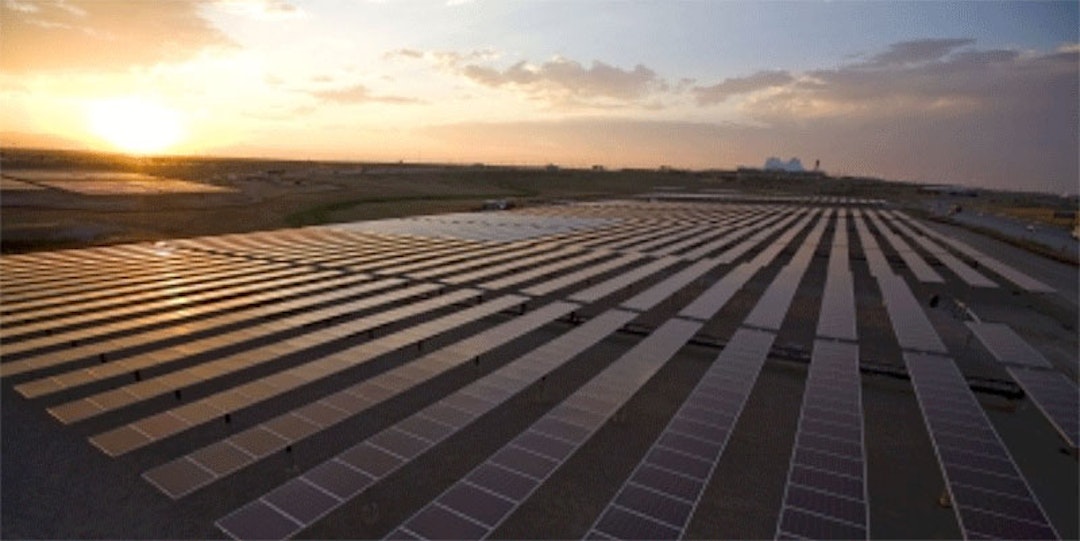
<point x="213" y="462"/>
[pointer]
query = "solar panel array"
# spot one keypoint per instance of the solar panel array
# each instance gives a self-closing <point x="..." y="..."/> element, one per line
<point x="299" y="332"/>
<point x="988" y="493"/>
<point x="1054" y="394"/>
<point x="826" y="492"/>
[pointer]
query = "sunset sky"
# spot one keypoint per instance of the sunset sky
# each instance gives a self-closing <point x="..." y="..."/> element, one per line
<point x="976" y="93"/>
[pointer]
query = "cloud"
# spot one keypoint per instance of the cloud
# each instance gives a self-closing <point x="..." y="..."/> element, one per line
<point x="924" y="50"/>
<point x="566" y="82"/>
<point x="991" y="83"/>
<point x="101" y="35"/>
<point x="560" y="82"/>
<point x="449" y="60"/>
<point x="709" y="95"/>
<point x="261" y="9"/>
<point x="993" y="118"/>
<point x="358" y="94"/>
<point x="934" y="110"/>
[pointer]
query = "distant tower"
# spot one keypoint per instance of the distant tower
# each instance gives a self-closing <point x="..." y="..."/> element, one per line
<point x="817" y="164"/>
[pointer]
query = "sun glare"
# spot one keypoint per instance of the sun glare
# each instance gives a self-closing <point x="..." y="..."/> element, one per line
<point x="136" y="125"/>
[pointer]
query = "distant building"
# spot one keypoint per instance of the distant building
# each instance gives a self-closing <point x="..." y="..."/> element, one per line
<point x="776" y="164"/>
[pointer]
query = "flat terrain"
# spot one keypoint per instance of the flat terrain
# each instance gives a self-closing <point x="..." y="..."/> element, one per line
<point x="507" y="373"/>
<point x="54" y="199"/>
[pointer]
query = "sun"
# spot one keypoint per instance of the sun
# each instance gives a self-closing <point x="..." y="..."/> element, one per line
<point x="136" y="125"/>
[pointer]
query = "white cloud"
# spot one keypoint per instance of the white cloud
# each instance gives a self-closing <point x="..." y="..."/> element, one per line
<point x="262" y="9"/>
<point x="559" y="82"/>
<point x="358" y="94"/>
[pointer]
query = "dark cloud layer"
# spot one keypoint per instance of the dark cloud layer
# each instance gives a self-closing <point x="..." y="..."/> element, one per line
<point x="929" y="110"/>
<point x="907" y="52"/>
<point x="708" y="95"/>
<point x="101" y="35"/>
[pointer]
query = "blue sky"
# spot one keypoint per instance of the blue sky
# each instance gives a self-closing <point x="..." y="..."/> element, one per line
<point x="977" y="93"/>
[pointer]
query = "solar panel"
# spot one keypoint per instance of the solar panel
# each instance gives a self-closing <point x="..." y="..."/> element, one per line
<point x="827" y="499"/>
<point x="989" y="495"/>
<point x="543" y="270"/>
<point x="507" y="253"/>
<point x="914" y="262"/>
<point x="1054" y="395"/>
<point x="49" y="335"/>
<point x="119" y="364"/>
<point x="770" y="311"/>
<point x="81" y="312"/>
<point x="709" y="302"/>
<point x="912" y="328"/>
<point x="191" y="271"/>
<point x="369" y="392"/>
<point x="134" y="435"/>
<point x="679" y="233"/>
<point x="352" y="471"/>
<point x="1006" y="346"/>
<point x="494" y="226"/>
<point x="441" y="264"/>
<point x="838" y="253"/>
<point x="875" y="259"/>
<point x="659" y="497"/>
<point x="736" y="231"/>
<point x="125" y="395"/>
<point x="969" y="275"/>
<point x="706" y="305"/>
<point x="737" y="251"/>
<point x="554" y="438"/>
<point x="514" y="264"/>
<point x="622" y="281"/>
<point x="576" y="277"/>
<point x="1006" y="271"/>
<point x="773" y="249"/>
<point x="711" y="232"/>
<point x="665" y="289"/>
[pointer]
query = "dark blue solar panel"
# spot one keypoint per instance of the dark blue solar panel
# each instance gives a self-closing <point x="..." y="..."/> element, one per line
<point x="682" y="458"/>
<point x="972" y="455"/>
<point x="826" y="478"/>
